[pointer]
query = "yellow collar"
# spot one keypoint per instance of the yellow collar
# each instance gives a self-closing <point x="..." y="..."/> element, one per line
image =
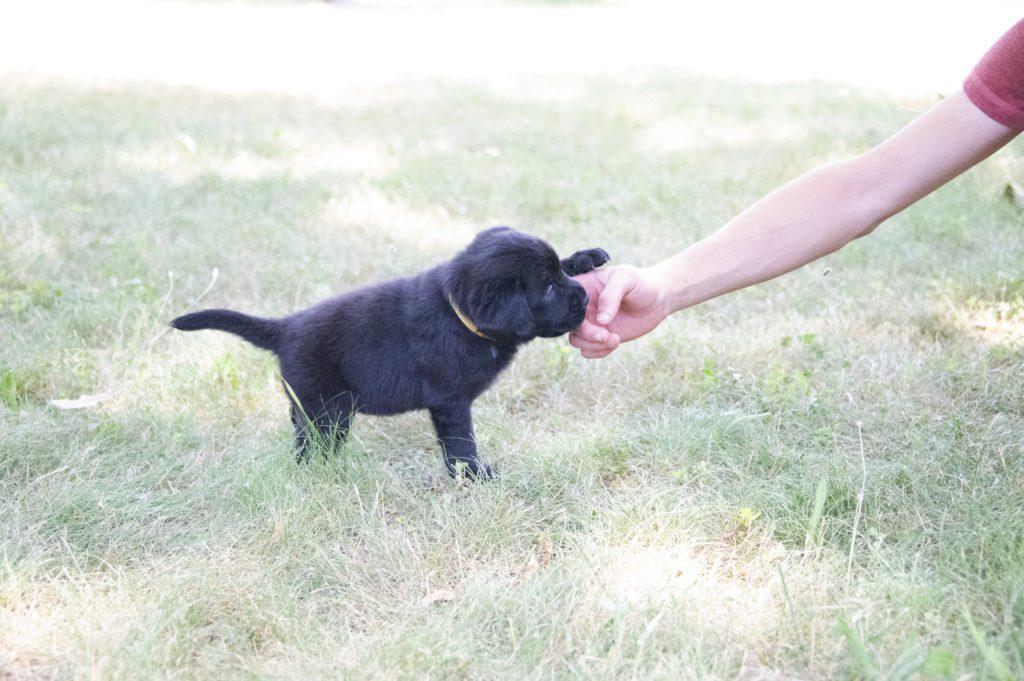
<point x="466" y="320"/>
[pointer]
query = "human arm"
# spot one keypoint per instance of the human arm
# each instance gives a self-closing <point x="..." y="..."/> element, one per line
<point x="812" y="216"/>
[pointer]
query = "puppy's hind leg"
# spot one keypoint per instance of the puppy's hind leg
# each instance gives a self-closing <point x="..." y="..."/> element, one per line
<point x="301" y="434"/>
<point x="454" y="427"/>
<point x="322" y="430"/>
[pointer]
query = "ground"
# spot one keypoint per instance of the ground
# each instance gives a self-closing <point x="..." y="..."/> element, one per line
<point x="821" y="477"/>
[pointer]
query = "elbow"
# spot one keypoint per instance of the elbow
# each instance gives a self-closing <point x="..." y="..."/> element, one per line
<point x="869" y="228"/>
<point x="874" y="198"/>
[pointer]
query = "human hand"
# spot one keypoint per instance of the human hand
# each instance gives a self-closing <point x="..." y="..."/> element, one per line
<point x="625" y="303"/>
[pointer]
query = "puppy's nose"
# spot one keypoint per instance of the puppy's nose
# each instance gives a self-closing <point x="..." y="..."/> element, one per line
<point x="579" y="308"/>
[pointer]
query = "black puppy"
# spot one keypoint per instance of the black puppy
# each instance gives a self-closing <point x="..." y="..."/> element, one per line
<point x="433" y="341"/>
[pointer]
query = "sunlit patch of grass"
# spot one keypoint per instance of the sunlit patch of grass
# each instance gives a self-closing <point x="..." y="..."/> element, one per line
<point x="997" y="316"/>
<point x="182" y="160"/>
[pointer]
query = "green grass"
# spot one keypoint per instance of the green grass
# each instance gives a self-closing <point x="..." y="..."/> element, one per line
<point x="684" y="508"/>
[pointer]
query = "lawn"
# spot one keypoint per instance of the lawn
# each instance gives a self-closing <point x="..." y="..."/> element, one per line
<point x="821" y="477"/>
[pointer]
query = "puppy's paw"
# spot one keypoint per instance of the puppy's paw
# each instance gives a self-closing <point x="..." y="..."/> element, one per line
<point x="471" y="470"/>
<point x="585" y="261"/>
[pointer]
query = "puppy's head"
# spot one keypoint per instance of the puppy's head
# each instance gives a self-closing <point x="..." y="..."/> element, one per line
<point x="512" y="287"/>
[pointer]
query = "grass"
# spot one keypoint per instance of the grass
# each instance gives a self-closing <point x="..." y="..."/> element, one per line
<point x="822" y="476"/>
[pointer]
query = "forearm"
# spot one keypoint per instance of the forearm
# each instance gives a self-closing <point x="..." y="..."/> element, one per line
<point x="823" y="210"/>
<point x="812" y="216"/>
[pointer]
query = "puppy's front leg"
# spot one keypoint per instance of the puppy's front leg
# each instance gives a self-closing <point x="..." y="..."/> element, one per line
<point x="454" y="426"/>
<point x="584" y="261"/>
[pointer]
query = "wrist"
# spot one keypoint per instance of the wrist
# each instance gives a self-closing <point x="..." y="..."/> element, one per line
<point x="662" y="280"/>
<point x="691" y="276"/>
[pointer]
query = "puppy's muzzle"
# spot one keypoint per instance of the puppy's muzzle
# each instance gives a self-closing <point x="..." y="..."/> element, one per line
<point x="578" y="305"/>
<point x="582" y="302"/>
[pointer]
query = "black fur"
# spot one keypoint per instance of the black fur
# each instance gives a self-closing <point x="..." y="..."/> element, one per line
<point x="399" y="345"/>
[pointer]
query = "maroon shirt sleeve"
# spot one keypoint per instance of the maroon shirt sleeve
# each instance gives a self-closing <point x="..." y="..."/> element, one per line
<point x="996" y="85"/>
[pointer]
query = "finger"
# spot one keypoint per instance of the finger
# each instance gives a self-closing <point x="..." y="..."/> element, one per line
<point x="592" y="286"/>
<point x="590" y="281"/>
<point x="590" y="332"/>
<point x="592" y="350"/>
<point x="619" y="284"/>
<point x="584" y="344"/>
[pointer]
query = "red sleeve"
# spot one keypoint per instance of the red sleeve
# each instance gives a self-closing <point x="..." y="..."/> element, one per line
<point x="996" y="85"/>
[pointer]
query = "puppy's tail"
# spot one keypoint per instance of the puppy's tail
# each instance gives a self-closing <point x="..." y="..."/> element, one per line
<point x="263" y="333"/>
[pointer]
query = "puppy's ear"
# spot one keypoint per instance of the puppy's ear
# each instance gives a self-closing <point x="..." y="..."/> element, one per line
<point x="502" y="311"/>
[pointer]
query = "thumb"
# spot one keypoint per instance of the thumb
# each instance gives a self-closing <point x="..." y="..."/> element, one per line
<point x="620" y="282"/>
